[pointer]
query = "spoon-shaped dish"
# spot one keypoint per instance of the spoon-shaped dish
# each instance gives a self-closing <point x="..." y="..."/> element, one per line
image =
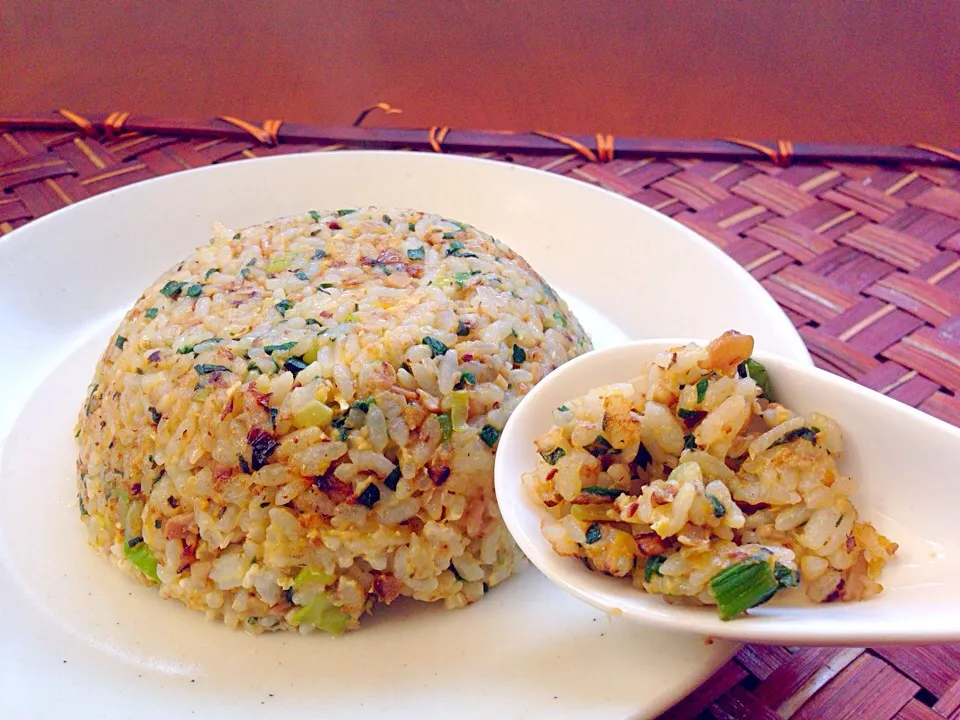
<point x="907" y="467"/>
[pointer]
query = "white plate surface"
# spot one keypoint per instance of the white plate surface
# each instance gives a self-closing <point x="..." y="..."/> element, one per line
<point x="80" y="640"/>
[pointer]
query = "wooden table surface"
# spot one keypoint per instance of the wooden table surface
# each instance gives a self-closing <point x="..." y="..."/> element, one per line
<point x="879" y="72"/>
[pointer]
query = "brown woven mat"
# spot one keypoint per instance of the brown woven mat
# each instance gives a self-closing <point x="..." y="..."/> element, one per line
<point x="858" y="244"/>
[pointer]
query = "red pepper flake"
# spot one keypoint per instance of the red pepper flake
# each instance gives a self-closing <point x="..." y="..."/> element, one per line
<point x="438" y="475"/>
<point x="467" y="357"/>
<point x="334" y="225"/>
<point x="263" y="399"/>
<point x="336" y="489"/>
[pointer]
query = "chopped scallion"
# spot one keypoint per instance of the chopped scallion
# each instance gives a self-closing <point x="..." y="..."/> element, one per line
<point x="805" y="433"/>
<point x="370" y="496"/>
<point x="172" y="289"/>
<point x="142" y="558"/>
<point x="718" y="509"/>
<point x="393" y="479"/>
<point x="519" y="355"/>
<point x="436" y="347"/>
<point x="446" y="426"/>
<point x="702" y="385"/>
<point x="551" y="457"/>
<point x="207" y="368"/>
<point x="489" y="434"/>
<point x="653" y="566"/>
<point x="752" y="369"/>
<point x="743" y="586"/>
<point x="593" y="533"/>
<point x="283" y="347"/>
<point x="603" y="491"/>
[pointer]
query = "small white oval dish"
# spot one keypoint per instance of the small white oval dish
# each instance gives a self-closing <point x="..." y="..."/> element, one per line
<point x="903" y="460"/>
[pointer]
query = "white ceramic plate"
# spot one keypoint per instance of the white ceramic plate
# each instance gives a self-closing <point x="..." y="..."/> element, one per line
<point x="80" y="640"/>
<point x="888" y="446"/>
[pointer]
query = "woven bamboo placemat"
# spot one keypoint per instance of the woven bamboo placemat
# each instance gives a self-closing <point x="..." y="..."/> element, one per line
<point x="859" y="245"/>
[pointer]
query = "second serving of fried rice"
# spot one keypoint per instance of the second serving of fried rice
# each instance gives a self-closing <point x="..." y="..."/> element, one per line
<point x="692" y="482"/>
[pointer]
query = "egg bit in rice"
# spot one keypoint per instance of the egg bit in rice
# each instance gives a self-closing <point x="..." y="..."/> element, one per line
<point x="298" y="422"/>
<point x="692" y="482"/>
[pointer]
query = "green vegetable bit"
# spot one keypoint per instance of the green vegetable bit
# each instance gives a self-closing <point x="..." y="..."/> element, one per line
<point x="302" y="276"/>
<point x="393" y="479"/>
<point x="752" y="369"/>
<point x="643" y="456"/>
<point x="551" y="457"/>
<point x="743" y="586"/>
<point x="436" y="347"/>
<point x="283" y="306"/>
<point x="370" y="496"/>
<point x="151" y="313"/>
<point x="454" y="247"/>
<point x="315" y="215"/>
<point x="593" y="533"/>
<point x="462" y="329"/>
<point x="786" y="578"/>
<point x="489" y="434"/>
<point x="600" y="446"/>
<point x="689" y="442"/>
<point x="172" y="289"/>
<point x="417" y="253"/>
<point x="411" y="227"/>
<point x="207" y="368"/>
<point x="805" y="433"/>
<point x="283" y="347"/>
<point x="685" y="414"/>
<point x="718" y="509"/>
<point x="563" y="408"/>
<point x="322" y="614"/>
<point x="364" y="405"/>
<point x="560" y="317"/>
<point x="142" y="558"/>
<point x="448" y="236"/>
<point x="348" y="211"/>
<point x="195" y="290"/>
<point x="702" y="385"/>
<point x="208" y="273"/>
<point x="653" y="566"/>
<point x="519" y="354"/>
<point x="446" y="426"/>
<point x="603" y="491"/>
<point x="312" y="575"/>
<point x="120" y="341"/>
<point x="466" y="378"/>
